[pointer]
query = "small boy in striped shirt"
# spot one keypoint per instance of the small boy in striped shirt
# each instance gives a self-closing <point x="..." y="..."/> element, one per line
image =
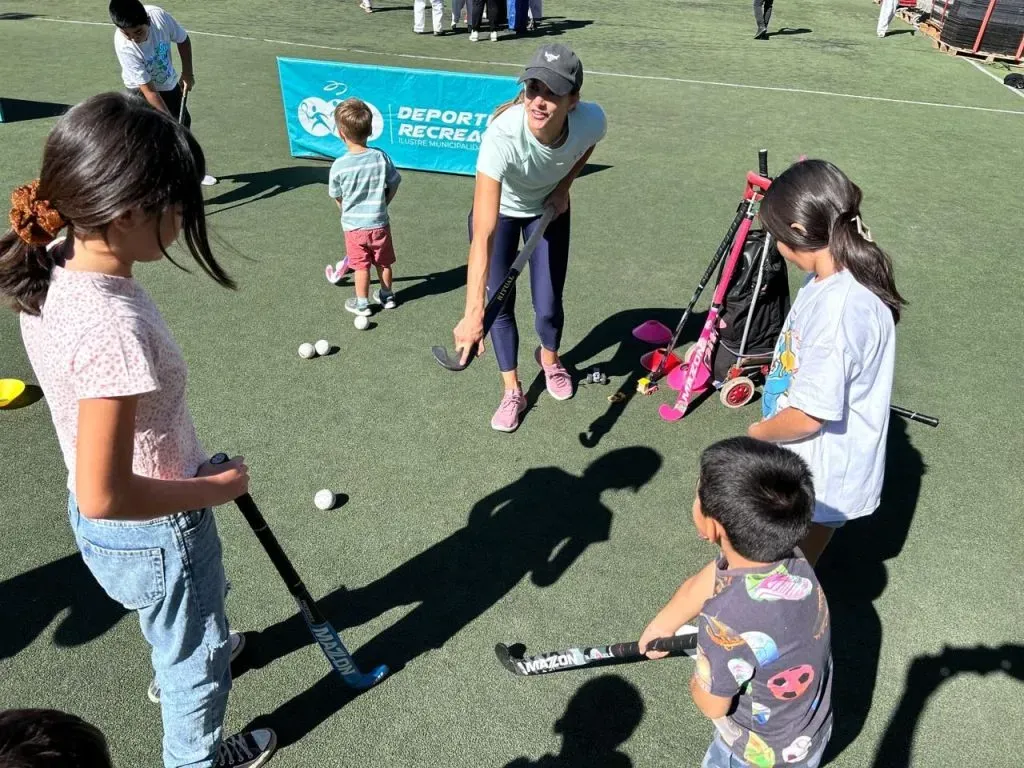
<point x="363" y="181"/>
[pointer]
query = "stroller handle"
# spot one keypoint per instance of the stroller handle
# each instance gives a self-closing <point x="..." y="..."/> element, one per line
<point x="758" y="181"/>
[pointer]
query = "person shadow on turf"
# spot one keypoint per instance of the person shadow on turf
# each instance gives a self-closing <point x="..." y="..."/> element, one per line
<point x="536" y="527"/>
<point x="600" y="717"/>
<point x="61" y="589"/>
<point x="853" y="574"/>
<point x="616" y="332"/>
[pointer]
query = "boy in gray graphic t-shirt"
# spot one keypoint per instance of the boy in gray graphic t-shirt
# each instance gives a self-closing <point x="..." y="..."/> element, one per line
<point x="763" y="671"/>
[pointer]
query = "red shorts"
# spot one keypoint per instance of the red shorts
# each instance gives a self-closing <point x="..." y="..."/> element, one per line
<point x="369" y="246"/>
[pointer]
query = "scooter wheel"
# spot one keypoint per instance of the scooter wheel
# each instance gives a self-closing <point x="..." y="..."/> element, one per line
<point x="737" y="392"/>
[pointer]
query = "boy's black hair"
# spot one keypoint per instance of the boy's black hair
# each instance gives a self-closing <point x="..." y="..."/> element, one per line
<point x="47" y="738"/>
<point x="127" y="13"/>
<point x="760" y="493"/>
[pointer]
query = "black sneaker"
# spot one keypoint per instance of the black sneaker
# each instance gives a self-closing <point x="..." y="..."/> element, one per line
<point x="762" y="34"/>
<point x="247" y="750"/>
<point x="237" y="645"/>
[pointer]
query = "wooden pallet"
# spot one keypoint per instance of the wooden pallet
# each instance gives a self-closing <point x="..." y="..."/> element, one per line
<point x="930" y="30"/>
<point x="912" y="16"/>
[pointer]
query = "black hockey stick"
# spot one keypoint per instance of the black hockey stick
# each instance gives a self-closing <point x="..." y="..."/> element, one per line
<point x="646" y="383"/>
<point x="574" y="658"/>
<point x="931" y="421"/>
<point x="454" y="362"/>
<point x="325" y="635"/>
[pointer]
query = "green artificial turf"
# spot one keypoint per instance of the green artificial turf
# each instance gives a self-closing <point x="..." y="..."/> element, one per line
<point x="410" y="445"/>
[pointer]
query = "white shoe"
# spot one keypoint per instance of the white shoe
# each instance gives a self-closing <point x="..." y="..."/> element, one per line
<point x="474" y="36"/>
<point x="208" y="180"/>
<point x="366" y="6"/>
<point x="494" y="37"/>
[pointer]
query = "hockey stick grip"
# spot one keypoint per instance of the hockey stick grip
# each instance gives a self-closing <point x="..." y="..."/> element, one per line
<point x="673" y="644"/>
<point x="259" y="526"/>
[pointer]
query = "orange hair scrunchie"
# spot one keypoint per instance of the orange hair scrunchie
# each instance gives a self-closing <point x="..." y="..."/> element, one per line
<point x="35" y="221"/>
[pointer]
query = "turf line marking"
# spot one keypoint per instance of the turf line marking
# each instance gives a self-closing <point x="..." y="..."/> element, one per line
<point x="994" y="76"/>
<point x="600" y="73"/>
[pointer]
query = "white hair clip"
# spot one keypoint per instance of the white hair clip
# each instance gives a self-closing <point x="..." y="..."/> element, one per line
<point x="56" y="242"/>
<point x="862" y="229"/>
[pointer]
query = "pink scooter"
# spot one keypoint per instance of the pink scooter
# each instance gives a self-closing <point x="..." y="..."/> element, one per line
<point x="694" y="376"/>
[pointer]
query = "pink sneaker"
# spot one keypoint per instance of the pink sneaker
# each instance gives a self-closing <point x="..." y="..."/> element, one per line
<point x="557" y="378"/>
<point x="506" y="418"/>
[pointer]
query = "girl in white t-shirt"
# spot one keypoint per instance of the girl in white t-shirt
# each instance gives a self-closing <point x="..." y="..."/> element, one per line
<point x="123" y="180"/>
<point x="531" y="153"/>
<point x="827" y="394"/>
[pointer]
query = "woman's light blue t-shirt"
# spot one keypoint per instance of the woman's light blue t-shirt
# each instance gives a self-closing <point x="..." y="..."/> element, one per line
<point x="528" y="170"/>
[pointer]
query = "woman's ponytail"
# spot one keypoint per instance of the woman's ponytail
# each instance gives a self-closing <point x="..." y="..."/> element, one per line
<point x="519" y="99"/>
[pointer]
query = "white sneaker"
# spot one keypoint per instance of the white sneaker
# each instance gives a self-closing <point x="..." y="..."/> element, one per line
<point x="365" y="5"/>
<point x="237" y="646"/>
<point x="208" y="180"/>
<point x="494" y="37"/>
<point x="247" y="750"/>
<point x="474" y="36"/>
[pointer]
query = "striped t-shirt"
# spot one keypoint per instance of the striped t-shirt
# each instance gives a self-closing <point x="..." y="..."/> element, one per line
<point x="361" y="181"/>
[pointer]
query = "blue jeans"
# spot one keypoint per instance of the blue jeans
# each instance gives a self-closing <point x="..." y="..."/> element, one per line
<point x="548" y="267"/>
<point x="720" y="756"/>
<point x="170" y="572"/>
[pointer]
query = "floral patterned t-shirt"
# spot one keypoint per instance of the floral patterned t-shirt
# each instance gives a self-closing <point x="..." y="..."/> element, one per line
<point x="764" y="638"/>
<point x="102" y="336"/>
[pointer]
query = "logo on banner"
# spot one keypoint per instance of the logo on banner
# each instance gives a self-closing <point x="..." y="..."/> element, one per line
<point x="316" y="115"/>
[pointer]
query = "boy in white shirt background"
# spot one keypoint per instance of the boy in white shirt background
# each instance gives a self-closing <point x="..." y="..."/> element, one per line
<point x="142" y="43"/>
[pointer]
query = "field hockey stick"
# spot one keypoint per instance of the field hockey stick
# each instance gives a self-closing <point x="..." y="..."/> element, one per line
<point x="698" y="369"/>
<point x="324" y="634"/>
<point x="184" y="101"/>
<point x="931" y="421"/>
<point x="645" y="385"/>
<point x="574" y="658"/>
<point x="497" y="301"/>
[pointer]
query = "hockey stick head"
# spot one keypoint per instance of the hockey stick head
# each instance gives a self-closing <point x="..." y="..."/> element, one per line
<point x="448" y="362"/>
<point x="507" y="659"/>
<point x="368" y="679"/>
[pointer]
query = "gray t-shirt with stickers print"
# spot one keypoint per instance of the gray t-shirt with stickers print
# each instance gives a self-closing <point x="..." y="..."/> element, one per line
<point x="764" y="637"/>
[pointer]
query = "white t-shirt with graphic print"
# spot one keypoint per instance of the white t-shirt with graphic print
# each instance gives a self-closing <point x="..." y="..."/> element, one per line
<point x="528" y="170"/>
<point x="151" y="62"/>
<point x="834" y="361"/>
<point x="101" y="336"/>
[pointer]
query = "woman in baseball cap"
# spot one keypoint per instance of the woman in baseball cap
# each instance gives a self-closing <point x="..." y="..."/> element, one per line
<point x="532" y="151"/>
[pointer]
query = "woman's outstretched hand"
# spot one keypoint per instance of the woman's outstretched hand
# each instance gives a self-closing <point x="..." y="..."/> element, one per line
<point x="469" y="335"/>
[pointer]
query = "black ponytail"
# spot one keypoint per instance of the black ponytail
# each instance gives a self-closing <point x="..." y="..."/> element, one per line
<point x="825" y="204"/>
<point x="104" y="157"/>
<point x="24" y="273"/>
<point x="853" y="249"/>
